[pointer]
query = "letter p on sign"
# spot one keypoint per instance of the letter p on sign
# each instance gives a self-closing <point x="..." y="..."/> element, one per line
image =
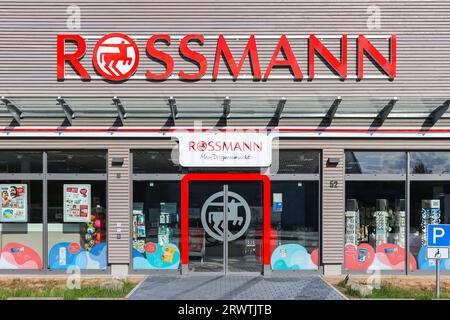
<point x="438" y="235"/>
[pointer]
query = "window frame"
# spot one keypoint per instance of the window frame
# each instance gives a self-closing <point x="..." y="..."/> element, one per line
<point x="407" y="178"/>
<point x="174" y="177"/>
<point x="45" y="177"/>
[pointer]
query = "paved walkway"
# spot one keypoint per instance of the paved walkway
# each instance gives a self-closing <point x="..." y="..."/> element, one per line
<point x="235" y="287"/>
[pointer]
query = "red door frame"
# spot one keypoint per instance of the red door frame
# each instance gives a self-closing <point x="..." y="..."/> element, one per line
<point x="224" y="177"/>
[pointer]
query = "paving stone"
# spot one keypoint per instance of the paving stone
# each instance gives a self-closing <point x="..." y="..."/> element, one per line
<point x="235" y="287"/>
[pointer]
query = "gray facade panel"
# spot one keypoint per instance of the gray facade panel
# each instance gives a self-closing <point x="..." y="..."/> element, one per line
<point x="28" y="44"/>
<point x="333" y="228"/>
<point x="119" y="192"/>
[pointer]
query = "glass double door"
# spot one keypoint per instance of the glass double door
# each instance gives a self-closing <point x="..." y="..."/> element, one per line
<point x="225" y="226"/>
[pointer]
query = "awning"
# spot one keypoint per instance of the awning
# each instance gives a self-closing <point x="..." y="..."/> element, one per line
<point x="327" y="108"/>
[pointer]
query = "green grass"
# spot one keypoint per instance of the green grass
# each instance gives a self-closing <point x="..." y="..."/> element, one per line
<point x="69" y="294"/>
<point x="387" y="291"/>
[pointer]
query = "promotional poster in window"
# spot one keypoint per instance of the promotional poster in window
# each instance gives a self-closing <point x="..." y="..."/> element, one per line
<point x="77" y="202"/>
<point x="14" y="202"/>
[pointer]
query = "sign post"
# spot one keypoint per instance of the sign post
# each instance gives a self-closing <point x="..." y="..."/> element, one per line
<point x="438" y="277"/>
<point x="437" y="248"/>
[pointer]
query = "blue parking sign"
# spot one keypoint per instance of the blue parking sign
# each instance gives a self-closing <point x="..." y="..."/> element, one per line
<point x="438" y="235"/>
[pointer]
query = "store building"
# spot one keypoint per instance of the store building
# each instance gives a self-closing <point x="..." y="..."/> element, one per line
<point x="127" y="130"/>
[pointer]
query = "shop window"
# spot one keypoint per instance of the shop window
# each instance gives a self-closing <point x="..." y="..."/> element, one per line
<point x="430" y="162"/>
<point x="375" y="220"/>
<point x="77" y="224"/>
<point x="20" y="162"/>
<point x="430" y="204"/>
<point x="156" y="225"/>
<point x="81" y="161"/>
<point x="21" y="225"/>
<point x="295" y="225"/>
<point x="375" y="162"/>
<point x="296" y="161"/>
<point x="156" y="161"/>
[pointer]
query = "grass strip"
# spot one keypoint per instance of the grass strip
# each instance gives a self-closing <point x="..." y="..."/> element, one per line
<point x="389" y="291"/>
<point x="86" y="291"/>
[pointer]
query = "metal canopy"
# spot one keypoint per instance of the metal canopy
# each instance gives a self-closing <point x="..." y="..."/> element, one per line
<point x="228" y="107"/>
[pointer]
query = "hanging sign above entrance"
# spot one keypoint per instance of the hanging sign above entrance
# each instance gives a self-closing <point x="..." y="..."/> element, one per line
<point x="225" y="149"/>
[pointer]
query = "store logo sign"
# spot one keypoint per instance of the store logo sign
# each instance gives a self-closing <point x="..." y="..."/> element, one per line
<point x="116" y="57"/>
<point x="238" y="215"/>
<point x="225" y="149"/>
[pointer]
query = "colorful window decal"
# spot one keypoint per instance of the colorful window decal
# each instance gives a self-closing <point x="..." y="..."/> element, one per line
<point x="152" y="255"/>
<point x="68" y="254"/>
<point x="293" y="256"/>
<point x="387" y="256"/>
<point x="89" y="253"/>
<point x="19" y="256"/>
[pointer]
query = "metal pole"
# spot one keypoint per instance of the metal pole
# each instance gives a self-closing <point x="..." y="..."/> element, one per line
<point x="438" y="280"/>
<point x="45" y="209"/>
<point x="225" y="229"/>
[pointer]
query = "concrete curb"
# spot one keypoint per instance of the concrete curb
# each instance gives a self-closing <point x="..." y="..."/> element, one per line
<point x="35" y="298"/>
<point x="135" y="288"/>
<point x="102" y="299"/>
<point x="382" y="299"/>
<point x="336" y="290"/>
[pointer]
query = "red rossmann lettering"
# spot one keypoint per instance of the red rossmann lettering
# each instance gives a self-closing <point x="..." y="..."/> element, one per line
<point x="283" y="57"/>
<point x="215" y="146"/>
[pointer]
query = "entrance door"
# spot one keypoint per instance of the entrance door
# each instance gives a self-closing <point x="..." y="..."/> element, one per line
<point x="225" y="226"/>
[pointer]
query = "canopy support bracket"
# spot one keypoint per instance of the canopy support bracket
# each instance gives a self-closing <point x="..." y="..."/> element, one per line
<point x="13" y="109"/>
<point x="226" y="107"/>
<point x="280" y="107"/>
<point x="68" y="111"/>
<point x="173" y="108"/>
<point x="120" y="109"/>
<point x="384" y="113"/>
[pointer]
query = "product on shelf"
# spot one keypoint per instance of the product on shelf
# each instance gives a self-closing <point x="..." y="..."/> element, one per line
<point x="431" y="214"/>
<point x="167" y="217"/>
<point x="401" y="222"/>
<point x="94" y="231"/>
<point x="352" y="224"/>
<point x="381" y="221"/>
<point x="138" y="221"/>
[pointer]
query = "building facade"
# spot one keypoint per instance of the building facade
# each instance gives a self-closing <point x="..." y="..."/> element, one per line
<point x="320" y="128"/>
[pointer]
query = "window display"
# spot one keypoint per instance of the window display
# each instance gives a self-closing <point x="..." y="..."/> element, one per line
<point x="80" y="240"/>
<point x="295" y="225"/>
<point x="375" y="226"/>
<point x="430" y="203"/>
<point x="352" y="224"/>
<point x="21" y="225"/>
<point x="156" y="225"/>
<point x="76" y="210"/>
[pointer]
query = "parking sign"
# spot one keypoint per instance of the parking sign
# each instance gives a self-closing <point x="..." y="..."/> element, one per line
<point x="438" y="235"/>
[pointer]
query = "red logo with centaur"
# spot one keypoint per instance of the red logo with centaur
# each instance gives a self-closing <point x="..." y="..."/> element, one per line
<point x="201" y="146"/>
<point x="116" y="57"/>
